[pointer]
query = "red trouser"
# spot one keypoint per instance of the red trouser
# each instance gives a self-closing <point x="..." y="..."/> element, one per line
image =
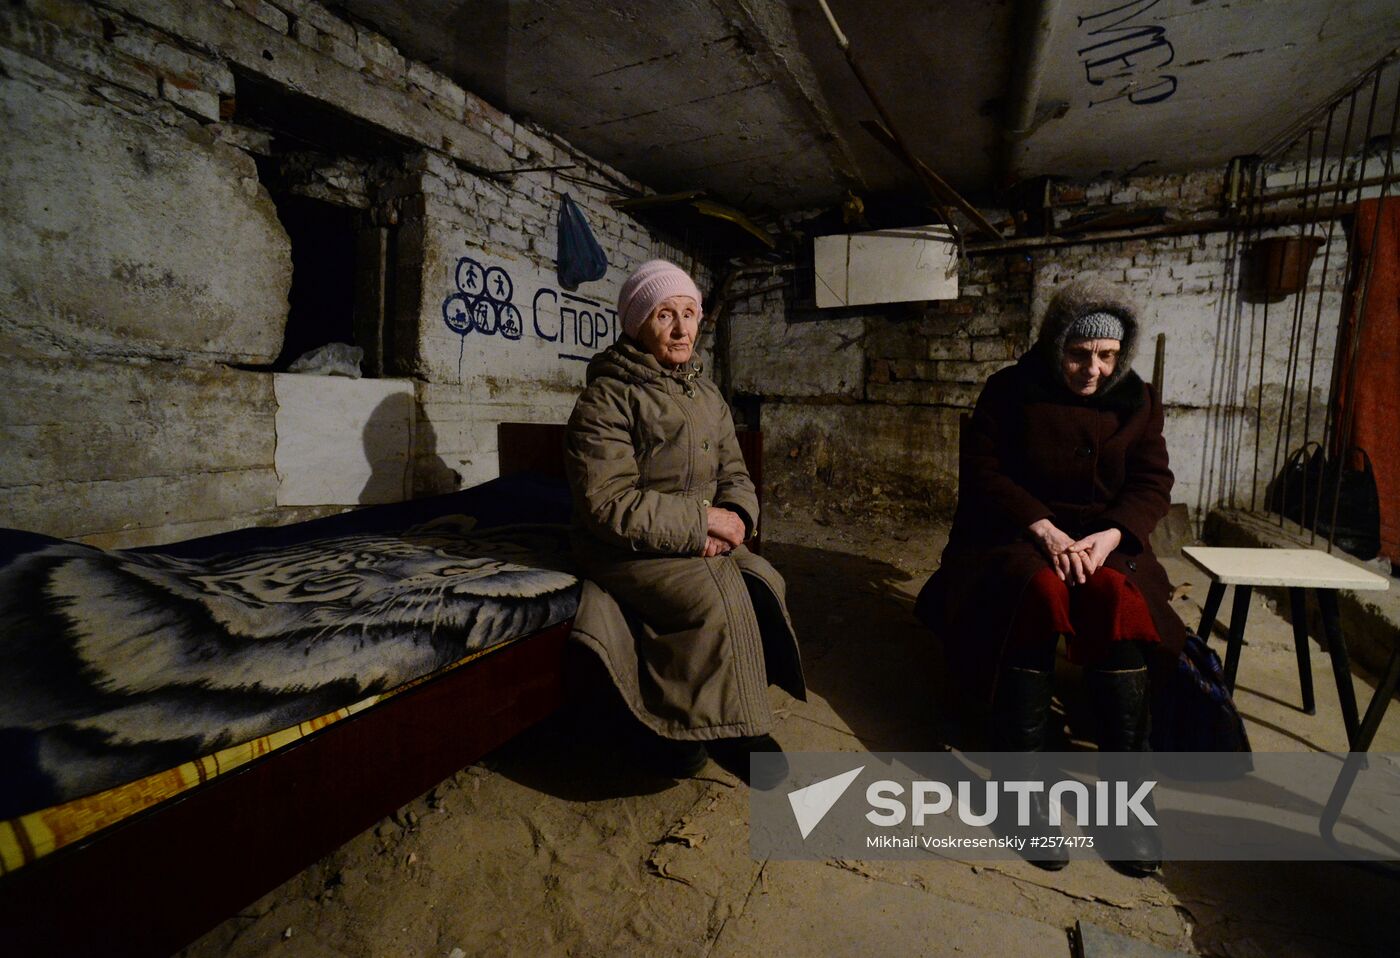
<point x="1106" y="609"/>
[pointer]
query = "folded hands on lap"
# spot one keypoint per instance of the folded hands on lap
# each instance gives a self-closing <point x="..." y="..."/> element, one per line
<point x="724" y="532"/>
<point x="1074" y="560"/>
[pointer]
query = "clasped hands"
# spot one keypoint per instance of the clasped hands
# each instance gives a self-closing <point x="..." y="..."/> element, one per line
<point x="725" y="531"/>
<point x="1074" y="561"/>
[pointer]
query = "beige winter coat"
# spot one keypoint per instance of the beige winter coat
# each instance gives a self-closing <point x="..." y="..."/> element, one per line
<point x="691" y="643"/>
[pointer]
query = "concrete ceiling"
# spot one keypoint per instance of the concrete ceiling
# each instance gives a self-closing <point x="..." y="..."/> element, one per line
<point x="753" y="101"/>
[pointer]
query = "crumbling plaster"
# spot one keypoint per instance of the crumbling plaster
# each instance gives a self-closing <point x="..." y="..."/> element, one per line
<point x="144" y="265"/>
<point x="100" y="261"/>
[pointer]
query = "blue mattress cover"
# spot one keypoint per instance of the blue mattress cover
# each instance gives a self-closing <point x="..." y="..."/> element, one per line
<point x="115" y="664"/>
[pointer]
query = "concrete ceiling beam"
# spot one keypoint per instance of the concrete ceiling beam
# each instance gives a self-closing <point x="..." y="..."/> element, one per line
<point x="1033" y="34"/>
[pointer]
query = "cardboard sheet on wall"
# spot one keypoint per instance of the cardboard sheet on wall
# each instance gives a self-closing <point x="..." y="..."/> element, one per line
<point x="886" y="266"/>
<point x="343" y="441"/>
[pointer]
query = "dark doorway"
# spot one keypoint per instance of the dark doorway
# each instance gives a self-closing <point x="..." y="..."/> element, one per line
<point x="322" y="300"/>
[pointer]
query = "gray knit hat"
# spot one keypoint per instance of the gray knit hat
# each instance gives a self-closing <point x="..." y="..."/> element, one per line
<point x="1096" y="325"/>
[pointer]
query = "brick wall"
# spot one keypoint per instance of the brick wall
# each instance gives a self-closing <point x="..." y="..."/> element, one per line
<point x="145" y="268"/>
<point x="862" y="411"/>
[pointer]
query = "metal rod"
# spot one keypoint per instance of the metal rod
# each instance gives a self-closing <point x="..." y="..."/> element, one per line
<point x="1259" y="401"/>
<point x="1266" y="196"/>
<point x="1295" y="350"/>
<point x="1323" y="188"/>
<point x="535" y="169"/>
<point x="1253" y="210"/>
<point x="841" y="40"/>
<point x="1380" y="700"/>
<point x="941" y="190"/>
<point x="1159" y="362"/>
<point x="905" y="153"/>
<point x="1288" y="137"/>
<point x="1328" y="422"/>
<point x="1229" y="332"/>
<point x="1217" y="224"/>
<point x="1284" y="433"/>
<point x="1256" y="206"/>
<point x="1339" y="191"/>
<point x="1349" y="412"/>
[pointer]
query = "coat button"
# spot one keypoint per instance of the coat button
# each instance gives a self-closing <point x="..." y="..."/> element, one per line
<point x="705" y="503"/>
<point x="1132" y="565"/>
<point x="1084" y="452"/>
<point x="705" y="445"/>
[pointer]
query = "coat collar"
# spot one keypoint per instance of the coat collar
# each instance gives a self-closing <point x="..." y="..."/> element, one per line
<point x="1041" y="383"/>
<point x="628" y="361"/>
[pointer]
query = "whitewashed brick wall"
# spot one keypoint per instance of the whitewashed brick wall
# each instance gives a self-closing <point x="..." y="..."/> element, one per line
<point x="152" y="264"/>
<point x="871" y="403"/>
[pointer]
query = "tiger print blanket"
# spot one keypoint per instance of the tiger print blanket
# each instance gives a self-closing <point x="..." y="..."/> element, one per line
<point x="116" y="664"/>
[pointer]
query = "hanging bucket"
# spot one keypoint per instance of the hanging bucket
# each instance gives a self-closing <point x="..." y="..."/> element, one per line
<point x="1279" y="264"/>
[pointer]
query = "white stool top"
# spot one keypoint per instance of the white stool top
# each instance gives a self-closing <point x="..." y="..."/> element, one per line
<point x="1299" y="568"/>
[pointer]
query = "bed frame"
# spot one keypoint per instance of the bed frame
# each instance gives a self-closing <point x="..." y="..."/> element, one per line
<point x="155" y="882"/>
<point x="158" y="880"/>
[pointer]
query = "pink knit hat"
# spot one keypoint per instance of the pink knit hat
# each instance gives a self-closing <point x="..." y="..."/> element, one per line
<point x="654" y="281"/>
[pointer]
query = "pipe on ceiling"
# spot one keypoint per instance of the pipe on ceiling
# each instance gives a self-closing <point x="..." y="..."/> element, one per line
<point x="1034" y="29"/>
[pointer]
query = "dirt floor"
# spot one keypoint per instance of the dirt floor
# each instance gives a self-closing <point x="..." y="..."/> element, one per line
<point x="554" y="845"/>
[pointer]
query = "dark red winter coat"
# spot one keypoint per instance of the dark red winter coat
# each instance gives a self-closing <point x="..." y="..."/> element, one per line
<point x="1033" y="450"/>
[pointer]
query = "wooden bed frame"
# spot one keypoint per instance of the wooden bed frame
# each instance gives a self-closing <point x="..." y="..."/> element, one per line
<point x="155" y="882"/>
<point x="158" y="880"/>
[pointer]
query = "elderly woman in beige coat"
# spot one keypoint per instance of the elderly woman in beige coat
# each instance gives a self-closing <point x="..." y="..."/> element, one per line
<point x="690" y="625"/>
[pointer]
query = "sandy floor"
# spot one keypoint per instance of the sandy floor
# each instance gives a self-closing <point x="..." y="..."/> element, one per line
<point x="554" y="846"/>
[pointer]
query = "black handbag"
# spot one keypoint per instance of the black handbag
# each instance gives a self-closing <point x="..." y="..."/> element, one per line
<point x="1294" y="495"/>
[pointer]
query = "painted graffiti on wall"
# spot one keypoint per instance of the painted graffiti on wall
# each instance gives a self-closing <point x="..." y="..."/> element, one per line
<point x="482" y="302"/>
<point x="573" y="322"/>
<point x="484" y="305"/>
<point x="1127" y="55"/>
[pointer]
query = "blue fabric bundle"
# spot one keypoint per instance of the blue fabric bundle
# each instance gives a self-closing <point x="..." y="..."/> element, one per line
<point x="1194" y="712"/>
<point x="581" y="259"/>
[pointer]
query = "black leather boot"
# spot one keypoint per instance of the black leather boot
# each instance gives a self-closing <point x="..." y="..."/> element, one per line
<point x="1120" y="704"/>
<point x="1020" y="714"/>
<point x="733" y="754"/>
<point x="671" y="758"/>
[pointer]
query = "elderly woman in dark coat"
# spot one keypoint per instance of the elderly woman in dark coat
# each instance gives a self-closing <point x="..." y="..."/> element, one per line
<point x="1063" y="476"/>
<point x="689" y="623"/>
